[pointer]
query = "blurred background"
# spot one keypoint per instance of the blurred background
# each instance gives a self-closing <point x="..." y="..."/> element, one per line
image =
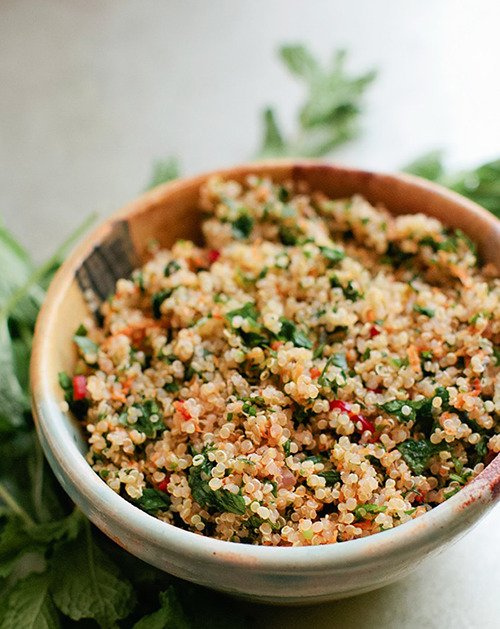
<point x="94" y="92"/>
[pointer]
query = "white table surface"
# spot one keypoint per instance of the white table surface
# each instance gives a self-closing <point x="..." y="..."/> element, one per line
<point x="93" y="91"/>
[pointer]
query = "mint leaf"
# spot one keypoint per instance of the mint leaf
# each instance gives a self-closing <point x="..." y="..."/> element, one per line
<point x="480" y="184"/>
<point x="15" y="401"/>
<point x="18" y="538"/>
<point x="87" y="584"/>
<point x="329" y="115"/>
<point x="169" y="615"/>
<point x="29" y="605"/>
<point x="164" y="171"/>
<point x="300" y="61"/>
<point x="273" y="144"/>
<point x="14" y="543"/>
<point x="428" y="166"/>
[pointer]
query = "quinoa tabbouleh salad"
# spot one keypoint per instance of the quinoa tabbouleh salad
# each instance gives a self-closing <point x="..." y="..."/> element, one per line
<point x="320" y="370"/>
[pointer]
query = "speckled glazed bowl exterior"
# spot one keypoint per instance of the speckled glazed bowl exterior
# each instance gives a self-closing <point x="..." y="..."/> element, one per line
<point x="264" y="574"/>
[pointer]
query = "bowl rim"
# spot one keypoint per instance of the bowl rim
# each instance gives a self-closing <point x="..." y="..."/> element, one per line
<point x="469" y="503"/>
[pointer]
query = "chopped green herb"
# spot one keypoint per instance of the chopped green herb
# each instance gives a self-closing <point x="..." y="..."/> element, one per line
<point x="289" y="332"/>
<point x="331" y="477"/>
<point x="361" y="511"/>
<point x="86" y="345"/>
<point x="348" y="289"/>
<point x="149" y="419"/>
<point x="81" y="331"/>
<point x="338" y="360"/>
<point x="152" y="501"/>
<point x="242" y="227"/>
<point x="318" y="351"/>
<point x="417" y="454"/>
<point x="157" y="299"/>
<point x="171" y="268"/>
<point x="171" y="387"/>
<point x="429" y="312"/>
<point x="332" y="255"/>
<point x="286" y="447"/>
<point x="221" y="499"/>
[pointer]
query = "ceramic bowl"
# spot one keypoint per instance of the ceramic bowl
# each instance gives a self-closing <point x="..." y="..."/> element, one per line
<point x="265" y="574"/>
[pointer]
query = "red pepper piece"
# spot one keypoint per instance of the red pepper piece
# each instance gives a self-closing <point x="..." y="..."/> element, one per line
<point x="213" y="255"/>
<point x="163" y="485"/>
<point x="377" y="390"/>
<point x="365" y="423"/>
<point x="345" y="407"/>
<point x="180" y="408"/>
<point x="79" y="387"/>
<point x="374" y="331"/>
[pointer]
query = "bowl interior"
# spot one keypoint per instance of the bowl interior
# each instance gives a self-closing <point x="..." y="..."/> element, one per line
<point x="171" y="212"/>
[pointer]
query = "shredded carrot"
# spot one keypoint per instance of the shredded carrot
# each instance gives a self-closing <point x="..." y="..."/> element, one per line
<point x="297" y="371"/>
<point x="118" y="397"/>
<point x="462" y="275"/>
<point x="414" y="358"/>
<point x="135" y="331"/>
<point x="276" y="345"/>
<point x="315" y="372"/>
<point x="365" y="525"/>
<point x="127" y="384"/>
<point x="477" y="387"/>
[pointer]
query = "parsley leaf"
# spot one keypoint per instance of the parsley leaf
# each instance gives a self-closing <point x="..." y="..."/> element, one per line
<point x="242" y="226"/>
<point x="417" y="454"/>
<point x="429" y="312"/>
<point x="149" y="420"/>
<point x="331" y="477"/>
<point x="152" y="500"/>
<point x="254" y="336"/>
<point x="332" y="255"/>
<point x="289" y="332"/>
<point x="220" y="499"/>
<point x="157" y="299"/>
<point x="338" y="360"/>
<point x="172" y="267"/>
<point x="361" y="511"/>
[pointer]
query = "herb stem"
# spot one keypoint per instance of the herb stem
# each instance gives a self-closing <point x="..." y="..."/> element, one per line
<point x="42" y="270"/>
<point x="15" y="506"/>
